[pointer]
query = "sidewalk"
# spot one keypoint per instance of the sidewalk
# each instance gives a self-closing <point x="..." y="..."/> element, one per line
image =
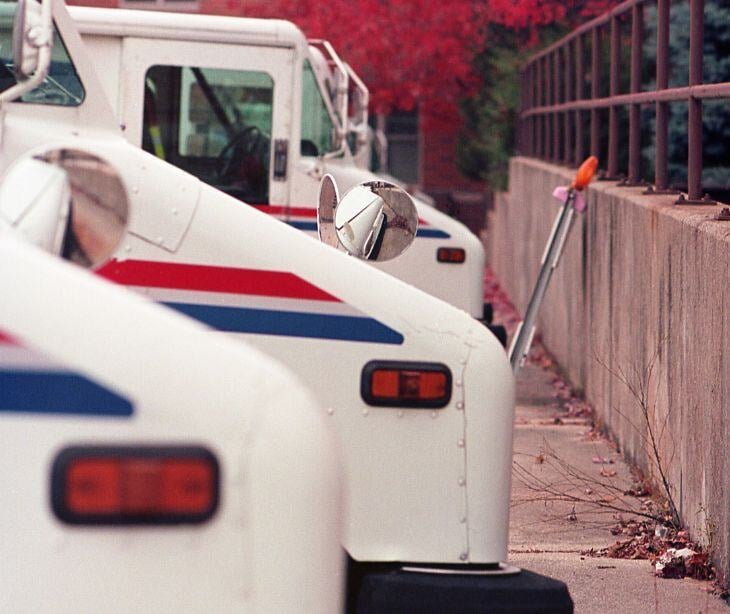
<point x="548" y="536"/>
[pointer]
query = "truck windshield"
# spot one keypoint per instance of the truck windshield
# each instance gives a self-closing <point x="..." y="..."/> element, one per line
<point x="214" y="124"/>
<point x="318" y="130"/>
<point x="61" y="87"/>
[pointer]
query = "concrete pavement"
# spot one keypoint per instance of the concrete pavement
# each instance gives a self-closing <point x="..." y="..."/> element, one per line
<point x="555" y="457"/>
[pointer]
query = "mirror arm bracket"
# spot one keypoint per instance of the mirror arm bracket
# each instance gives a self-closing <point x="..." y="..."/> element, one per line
<point x="45" y="40"/>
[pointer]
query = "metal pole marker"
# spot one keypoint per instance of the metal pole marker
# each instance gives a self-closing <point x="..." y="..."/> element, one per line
<point x="573" y="202"/>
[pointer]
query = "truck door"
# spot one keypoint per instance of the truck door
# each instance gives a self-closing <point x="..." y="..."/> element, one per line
<point x="227" y="125"/>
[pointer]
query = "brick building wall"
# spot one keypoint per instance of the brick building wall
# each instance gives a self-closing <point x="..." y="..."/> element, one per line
<point x="454" y="194"/>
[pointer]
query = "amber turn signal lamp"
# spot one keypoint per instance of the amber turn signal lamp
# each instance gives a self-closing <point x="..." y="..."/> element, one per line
<point x="135" y="485"/>
<point x="406" y="384"/>
<point x="453" y="255"/>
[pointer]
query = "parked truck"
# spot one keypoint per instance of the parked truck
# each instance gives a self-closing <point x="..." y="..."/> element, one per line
<point x="254" y="109"/>
<point x="420" y="394"/>
<point x="147" y="465"/>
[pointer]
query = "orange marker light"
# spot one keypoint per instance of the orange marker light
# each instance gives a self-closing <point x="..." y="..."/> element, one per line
<point x="585" y="173"/>
<point x="134" y="485"/>
<point x="406" y="384"/>
<point x="452" y="255"/>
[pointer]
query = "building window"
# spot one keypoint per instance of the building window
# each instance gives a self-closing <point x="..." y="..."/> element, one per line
<point x="404" y="158"/>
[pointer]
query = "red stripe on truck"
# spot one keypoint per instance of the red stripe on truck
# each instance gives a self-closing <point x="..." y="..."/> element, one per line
<point x="206" y="278"/>
<point x="6" y="339"/>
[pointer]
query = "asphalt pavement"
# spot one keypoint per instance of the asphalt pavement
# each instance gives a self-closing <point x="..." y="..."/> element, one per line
<point x="567" y="494"/>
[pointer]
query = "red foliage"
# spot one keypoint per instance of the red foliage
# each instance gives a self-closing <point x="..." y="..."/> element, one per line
<point x="417" y="51"/>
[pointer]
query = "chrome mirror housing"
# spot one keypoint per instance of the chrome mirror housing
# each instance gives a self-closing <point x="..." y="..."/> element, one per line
<point x="375" y="220"/>
<point x="67" y="202"/>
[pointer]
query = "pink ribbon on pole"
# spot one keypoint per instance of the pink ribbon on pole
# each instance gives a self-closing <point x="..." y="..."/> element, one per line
<point x="579" y="204"/>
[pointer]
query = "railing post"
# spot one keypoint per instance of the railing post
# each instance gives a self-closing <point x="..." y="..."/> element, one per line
<point x="661" y="174"/>
<point x="548" y="100"/>
<point x="637" y="38"/>
<point x="694" y="137"/>
<point x="579" y="77"/>
<point x="539" y="92"/>
<point x="520" y="122"/>
<point x="568" y="116"/>
<point x="536" y="102"/>
<point x="615" y="58"/>
<point x="556" y="100"/>
<point x="529" y="135"/>
<point x="595" y="89"/>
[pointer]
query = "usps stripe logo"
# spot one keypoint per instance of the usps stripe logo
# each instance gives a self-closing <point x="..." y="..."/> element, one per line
<point x="250" y="301"/>
<point x="305" y="218"/>
<point x="31" y="383"/>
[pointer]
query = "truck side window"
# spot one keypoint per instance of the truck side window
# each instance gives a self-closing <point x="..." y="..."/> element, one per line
<point x="213" y="123"/>
<point x="61" y="87"/>
<point x="317" y="126"/>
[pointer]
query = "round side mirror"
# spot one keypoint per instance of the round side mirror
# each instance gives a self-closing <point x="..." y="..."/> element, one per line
<point x="375" y="220"/>
<point x="327" y="198"/>
<point x="68" y="202"/>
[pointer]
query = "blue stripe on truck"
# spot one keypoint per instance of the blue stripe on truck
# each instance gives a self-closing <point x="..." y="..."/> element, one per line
<point x="51" y="392"/>
<point x="290" y="323"/>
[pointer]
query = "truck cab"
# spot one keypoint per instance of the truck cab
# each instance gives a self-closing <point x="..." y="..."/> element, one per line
<point x="419" y="393"/>
<point x="244" y="105"/>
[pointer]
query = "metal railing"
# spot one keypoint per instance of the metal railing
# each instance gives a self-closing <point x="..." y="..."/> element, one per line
<point x="556" y="111"/>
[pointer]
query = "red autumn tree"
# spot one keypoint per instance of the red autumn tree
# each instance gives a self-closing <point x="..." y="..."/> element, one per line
<point x="412" y="52"/>
<point x="418" y="51"/>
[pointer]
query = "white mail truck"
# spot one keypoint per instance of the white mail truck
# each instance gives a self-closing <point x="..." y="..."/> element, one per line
<point x="147" y="465"/>
<point x="253" y="108"/>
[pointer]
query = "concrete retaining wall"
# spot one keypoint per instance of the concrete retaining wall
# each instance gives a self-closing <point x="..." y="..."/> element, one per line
<point x="642" y="295"/>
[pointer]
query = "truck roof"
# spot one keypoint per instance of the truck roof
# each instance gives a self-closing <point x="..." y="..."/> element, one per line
<point x="187" y="26"/>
